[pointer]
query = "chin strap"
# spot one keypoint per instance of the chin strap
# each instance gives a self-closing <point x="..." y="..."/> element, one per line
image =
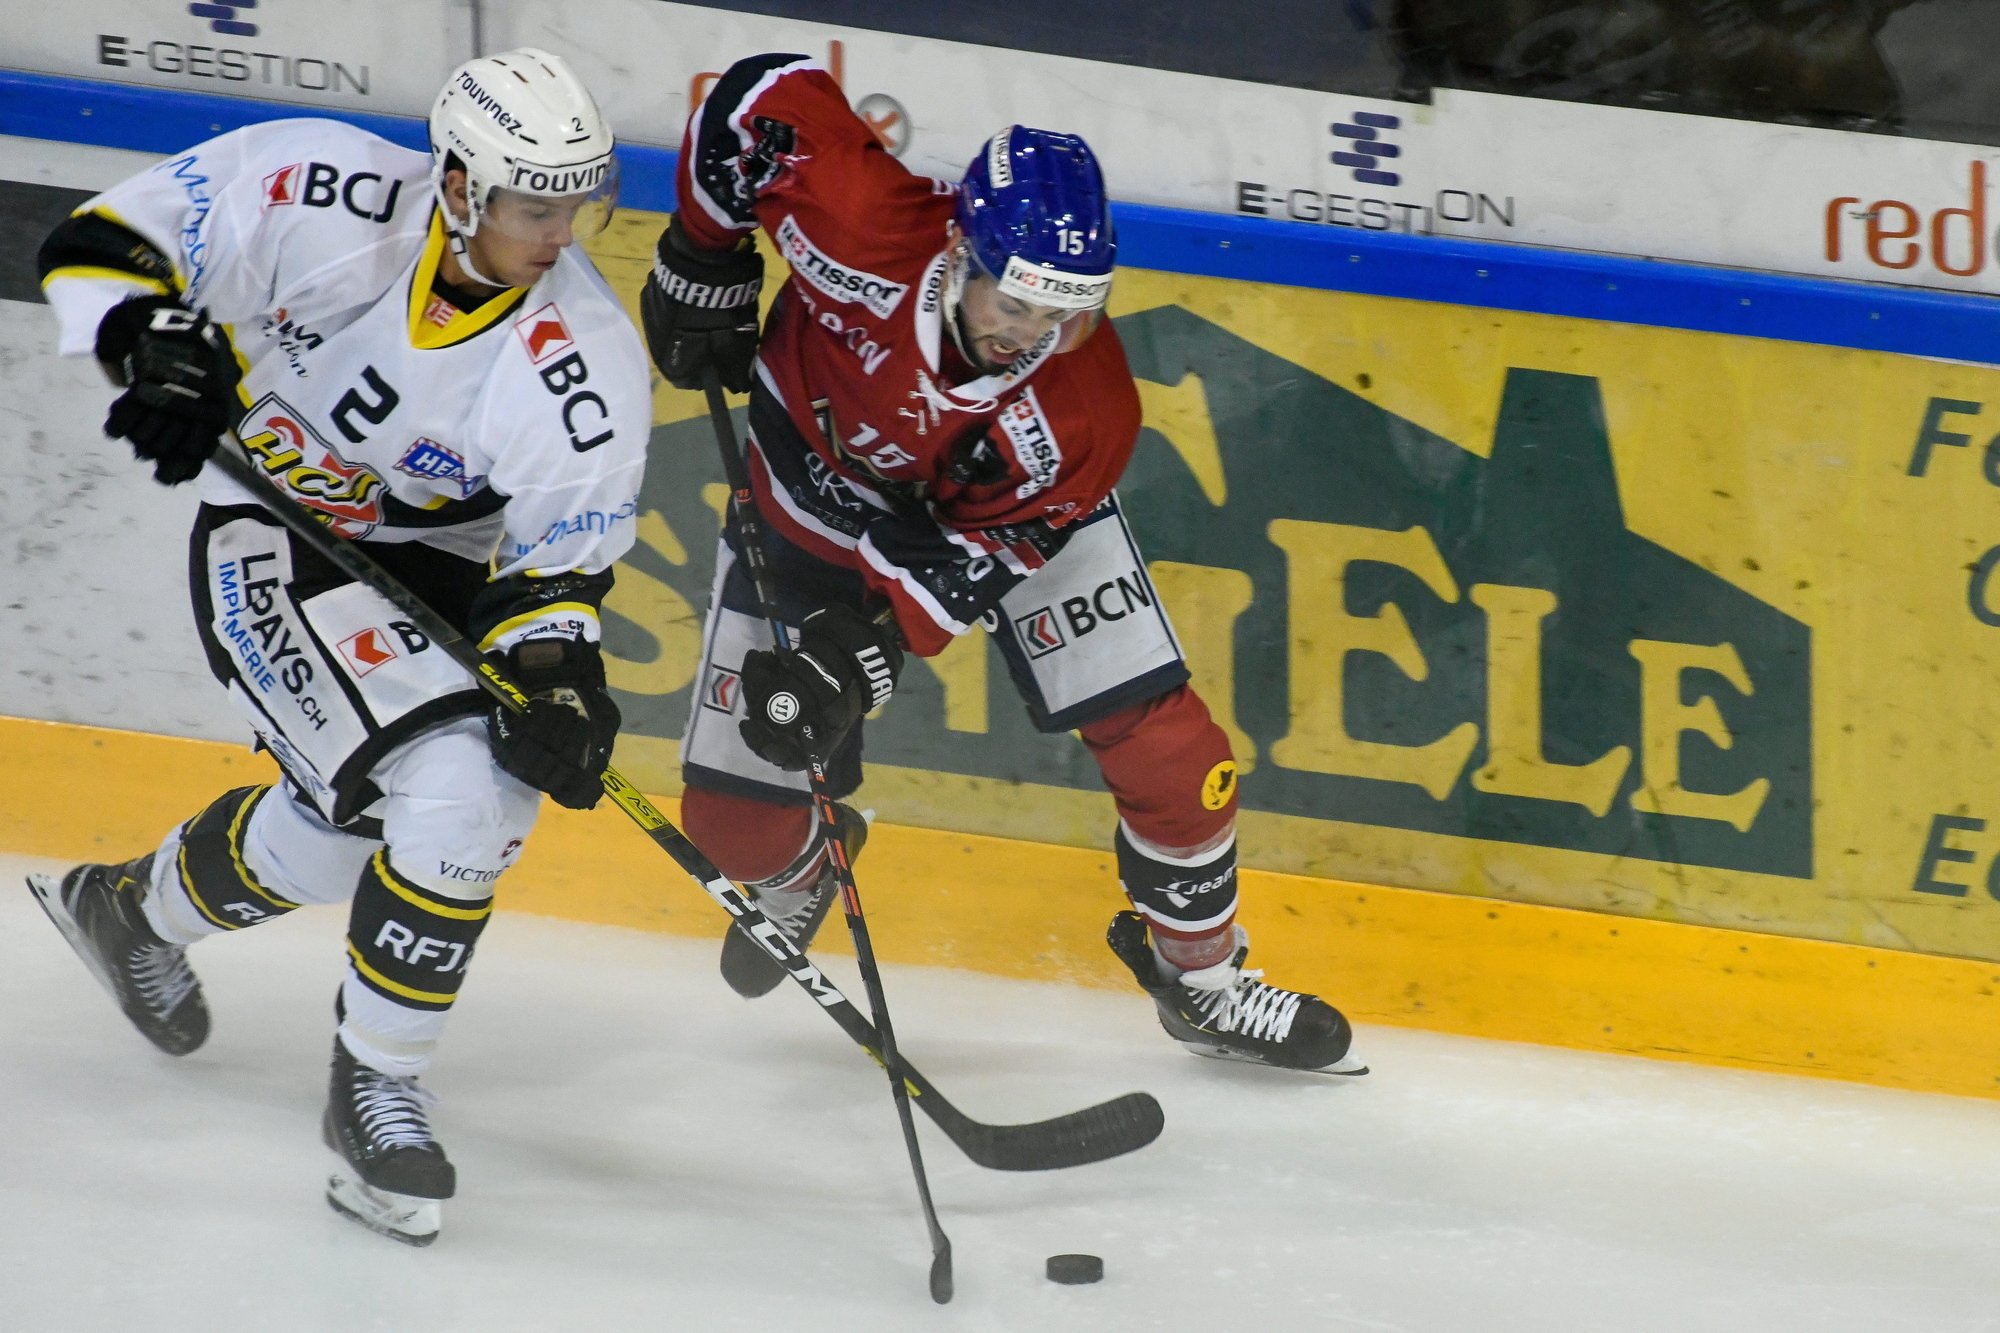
<point x="457" y="239"/>
<point x="463" y="254"/>
<point x="956" y="265"/>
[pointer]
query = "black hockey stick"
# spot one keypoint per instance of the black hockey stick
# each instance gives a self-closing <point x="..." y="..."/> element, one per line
<point x="749" y="532"/>
<point x="1093" y="1134"/>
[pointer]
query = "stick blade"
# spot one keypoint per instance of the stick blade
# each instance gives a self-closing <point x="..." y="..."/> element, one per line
<point x="1094" y="1134"/>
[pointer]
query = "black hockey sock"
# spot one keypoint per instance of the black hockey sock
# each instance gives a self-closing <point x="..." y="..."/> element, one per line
<point x="408" y="945"/>
<point x="212" y="872"/>
<point x="1189" y="907"/>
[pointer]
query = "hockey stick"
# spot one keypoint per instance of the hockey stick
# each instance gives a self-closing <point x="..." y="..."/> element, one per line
<point x="1093" y="1134"/>
<point x="750" y="545"/>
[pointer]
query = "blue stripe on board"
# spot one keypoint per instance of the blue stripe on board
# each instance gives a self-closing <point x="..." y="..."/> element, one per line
<point x="1874" y="316"/>
<point x="1426" y="268"/>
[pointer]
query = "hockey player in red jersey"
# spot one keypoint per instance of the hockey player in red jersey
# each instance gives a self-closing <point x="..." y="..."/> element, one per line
<point x="938" y="417"/>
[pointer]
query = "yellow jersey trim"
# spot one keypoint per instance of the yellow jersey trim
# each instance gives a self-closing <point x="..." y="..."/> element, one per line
<point x="100" y="272"/>
<point x="426" y="336"/>
<point x="512" y="623"/>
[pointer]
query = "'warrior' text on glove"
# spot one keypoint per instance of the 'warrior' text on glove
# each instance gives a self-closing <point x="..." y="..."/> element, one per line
<point x="802" y="704"/>
<point x="699" y="309"/>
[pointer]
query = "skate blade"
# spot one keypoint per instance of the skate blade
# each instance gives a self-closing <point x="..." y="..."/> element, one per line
<point x="48" y="892"/>
<point x="400" y="1217"/>
<point x="1347" y="1066"/>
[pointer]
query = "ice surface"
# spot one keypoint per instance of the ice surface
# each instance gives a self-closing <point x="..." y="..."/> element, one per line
<point x="640" y="1149"/>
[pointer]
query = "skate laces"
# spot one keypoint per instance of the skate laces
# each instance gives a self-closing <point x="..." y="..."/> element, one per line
<point x="790" y="909"/>
<point x="161" y="975"/>
<point x="391" y="1109"/>
<point x="1241" y="1004"/>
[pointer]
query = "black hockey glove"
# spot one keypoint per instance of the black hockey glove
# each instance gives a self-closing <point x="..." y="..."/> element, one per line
<point x="699" y="308"/>
<point x="179" y="375"/>
<point x="562" y="743"/>
<point x="803" y="703"/>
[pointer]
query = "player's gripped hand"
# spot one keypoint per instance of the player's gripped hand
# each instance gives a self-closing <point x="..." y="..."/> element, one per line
<point x="179" y="374"/>
<point x="802" y="704"/>
<point x="699" y="309"/>
<point x="562" y="743"/>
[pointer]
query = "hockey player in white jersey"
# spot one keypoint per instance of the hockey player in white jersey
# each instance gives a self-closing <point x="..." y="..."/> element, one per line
<point x="412" y="346"/>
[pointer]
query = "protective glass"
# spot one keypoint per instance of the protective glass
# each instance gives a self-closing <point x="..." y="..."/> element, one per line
<point x="541" y="219"/>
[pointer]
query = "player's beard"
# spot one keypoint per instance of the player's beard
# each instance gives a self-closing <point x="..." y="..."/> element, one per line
<point x="968" y="347"/>
<point x="962" y="336"/>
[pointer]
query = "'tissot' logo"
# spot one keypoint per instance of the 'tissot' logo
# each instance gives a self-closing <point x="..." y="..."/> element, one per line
<point x="1366" y="147"/>
<point x="820" y="270"/>
<point x="222" y="17"/>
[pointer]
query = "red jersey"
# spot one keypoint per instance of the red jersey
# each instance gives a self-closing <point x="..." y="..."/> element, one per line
<point x="874" y="444"/>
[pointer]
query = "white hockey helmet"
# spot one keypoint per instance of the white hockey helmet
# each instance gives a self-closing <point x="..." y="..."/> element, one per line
<point x="524" y="128"/>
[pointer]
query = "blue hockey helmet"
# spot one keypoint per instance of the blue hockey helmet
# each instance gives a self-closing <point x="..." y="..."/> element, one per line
<point x="1033" y="209"/>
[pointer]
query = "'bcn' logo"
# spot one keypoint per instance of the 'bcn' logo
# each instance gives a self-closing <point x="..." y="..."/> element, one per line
<point x="1040" y="634"/>
<point x="222" y="17"/>
<point x="1041" y="630"/>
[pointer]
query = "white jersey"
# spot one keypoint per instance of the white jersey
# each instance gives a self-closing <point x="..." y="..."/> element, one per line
<point x="514" y="433"/>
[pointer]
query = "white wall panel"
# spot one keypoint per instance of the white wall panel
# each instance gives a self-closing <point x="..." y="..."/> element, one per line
<point x="94" y="609"/>
<point x="363" y="55"/>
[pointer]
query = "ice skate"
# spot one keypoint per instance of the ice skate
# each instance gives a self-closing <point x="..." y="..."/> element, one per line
<point x="96" y="907"/>
<point x="1229" y="1013"/>
<point x="750" y="971"/>
<point x="392" y="1173"/>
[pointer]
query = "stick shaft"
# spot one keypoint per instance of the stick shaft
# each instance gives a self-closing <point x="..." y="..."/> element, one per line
<point x="1080" y="1137"/>
<point x="750" y="547"/>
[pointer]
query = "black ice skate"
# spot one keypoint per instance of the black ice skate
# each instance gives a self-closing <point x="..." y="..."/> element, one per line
<point x="750" y="971"/>
<point x="392" y="1172"/>
<point x="96" y="907"/>
<point x="1229" y="1013"/>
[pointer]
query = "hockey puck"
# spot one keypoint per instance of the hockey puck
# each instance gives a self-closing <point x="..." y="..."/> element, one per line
<point x="1075" y="1269"/>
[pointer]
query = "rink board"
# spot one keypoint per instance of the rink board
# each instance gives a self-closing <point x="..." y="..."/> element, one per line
<point x="1387" y="956"/>
<point x="1659" y="622"/>
<point x="1576" y="584"/>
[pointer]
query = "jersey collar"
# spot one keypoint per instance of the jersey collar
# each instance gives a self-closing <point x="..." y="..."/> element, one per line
<point x="426" y="336"/>
<point x="979" y="394"/>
